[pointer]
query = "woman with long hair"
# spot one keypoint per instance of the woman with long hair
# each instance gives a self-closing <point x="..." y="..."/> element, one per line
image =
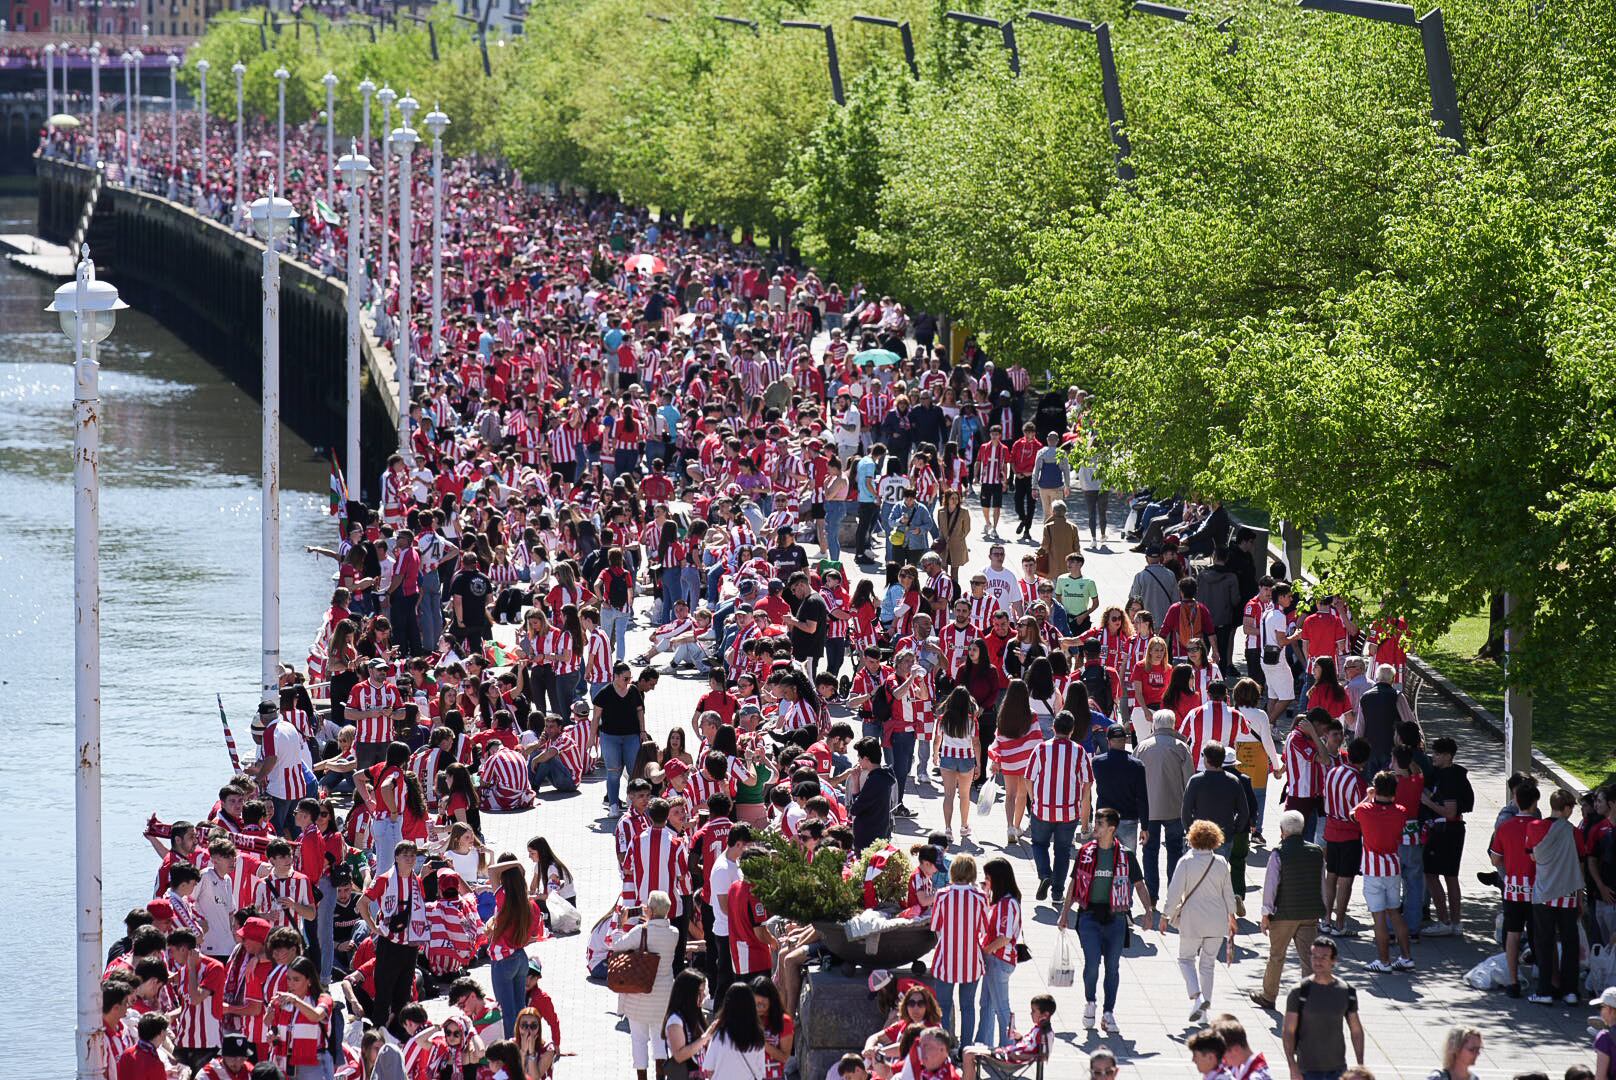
<point x="957" y="746"/>
<point x="457" y="798"/>
<point x="674" y="748"/>
<point x="1147" y="679"/>
<point x="565" y="647"/>
<point x="999" y="951"/>
<point x="1043" y="695"/>
<point x="865" y="619"/>
<point x="504" y="1059"/>
<point x="1026" y="647"/>
<point x="685" y="1030"/>
<point x="515" y="923"/>
<point x="913" y="1006"/>
<point x="1180" y="695"/>
<point x="465" y="854"/>
<point x="1017" y="737"/>
<point x="985" y="682"/>
<point x="779" y="1033"/>
<point x="735" y="1038"/>
<point x="669" y="560"/>
<point x="550" y="874"/>
<point x="302" y="1017"/>
<point x="1203" y="672"/>
<point x="1327" y="693"/>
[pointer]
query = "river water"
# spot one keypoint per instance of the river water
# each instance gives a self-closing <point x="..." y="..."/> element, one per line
<point x="179" y="620"/>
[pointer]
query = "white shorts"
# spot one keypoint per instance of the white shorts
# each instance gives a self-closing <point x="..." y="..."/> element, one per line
<point x="1383" y="892"/>
<point x="1281" y="683"/>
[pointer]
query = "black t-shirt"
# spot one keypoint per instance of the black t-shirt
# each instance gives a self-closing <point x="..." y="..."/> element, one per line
<point x="473" y="588"/>
<point x="1322" y="1010"/>
<point x="789" y="559"/>
<point x="620" y="713"/>
<point x="342" y="684"/>
<point x="810" y="608"/>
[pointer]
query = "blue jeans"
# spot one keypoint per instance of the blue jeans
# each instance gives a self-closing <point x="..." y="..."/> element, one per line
<point x="1174" y="829"/>
<point x="670" y="592"/>
<point x="509" y="977"/>
<point x="1413" y="859"/>
<point x="385" y="834"/>
<point x="321" y="1071"/>
<point x="615" y="624"/>
<point x="901" y="757"/>
<point x="562" y="690"/>
<point x="1060" y="834"/>
<point x="553" y="771"/>
<point x="431" y="610"/>
<point x="714" y="577"/>
<point x="967" y="1005"/>
<point x="325" y="914"/>
<point x="1101" y="941"/>
<point x="994" y="1027"/>
<point x="618" y="752"/>
<point x="835" y="511"/>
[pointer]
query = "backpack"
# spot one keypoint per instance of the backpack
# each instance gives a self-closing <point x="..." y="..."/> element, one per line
<point x="617" y="588"/>
<point x="1097" y="680"/>
<point x="1466" y="794"/>
<point x="881" y="704"/>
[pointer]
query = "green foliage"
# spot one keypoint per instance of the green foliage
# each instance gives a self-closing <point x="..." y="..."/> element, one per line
<point x="786" y="883"/>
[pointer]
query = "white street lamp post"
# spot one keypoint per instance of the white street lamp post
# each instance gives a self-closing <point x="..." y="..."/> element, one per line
<point x="437" y="123"/>
<point x="202" y="67"/>
<point x="330" y="83"/>
<point x="387" y="96"/>
<point x="139" y="58"/>
<point x="50" y="81"/>
<point x="356" y="170"/>
<point x="281" y="75"/>
<point x="173" y="112"/>
<point x="366" y="88"/>
<point x="271" y="218"/>
<point x="87" y="309"/>
<point x="128" y="123"/>
<point x="239" y="70"/>
<point x="95" y="105"/>
<point x="404" y="139"/>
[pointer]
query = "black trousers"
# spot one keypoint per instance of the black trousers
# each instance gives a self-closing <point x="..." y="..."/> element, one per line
<point x="1556" y="929"/>
<point x="395" y="975"/>
<point x="1026" y="505"/>
<point x="866" y="525"/>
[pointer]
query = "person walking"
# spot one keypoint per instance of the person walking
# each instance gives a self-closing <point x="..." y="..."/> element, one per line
<point x="959" y="918"/>
<point x="1200" y="906"/>
<point x="647" y="1012"/>
<point x="1121" y="782"/>
<point x="1105" y="879"/>
<point x="1292" y="903"/>
<point x="1166" y="760"/>
<point x="1059" y="539"/>
<point x="1460" y="1051"/>
<point x="1059" y="776"/>
<point x="1315" y="1013"/>
<point x="999" y="952"/>
<point x="1216" y="795"/>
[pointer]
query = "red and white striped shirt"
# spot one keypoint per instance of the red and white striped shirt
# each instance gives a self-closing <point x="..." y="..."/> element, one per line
<point x="661" y="863"/>
<point x="1059" y="771"/>
<point x="993" y="463"/>
<point x="571" y="748"/>
<point x="425" y="763"/>
<point x="1344" y="789"/>
<point x="1004" y="920"/>
<point x="953" y="640"/>
<point x="200" y="1025"/>
<point x="268" y="892"/>
<point x="505" y="784"/>
<point x="917" y="702"/>
<point x="366" y="697"/>
<point x="598" y="656"/>
<point x="959" y="918"/>
<point x="1014" y="754"/>
<point x="558" y="643"/>
<point x="982" y="609"/>
<point x="1214" y="721"/>
<point x="455" y="931"/>
<point x="304" y="1038"/>
<point x="564" y="444"/>
<point x="1303" y="769"/>
<point x="796" y="715"/>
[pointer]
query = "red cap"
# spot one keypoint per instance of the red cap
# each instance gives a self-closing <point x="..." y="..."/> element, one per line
<point x="255" y="929"/>
<point x="160" y="909"/>
<point x="675" y="767"/>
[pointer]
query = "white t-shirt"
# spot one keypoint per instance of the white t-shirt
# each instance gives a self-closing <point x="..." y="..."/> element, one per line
<point x="725" y="872"/>
<point x="722" y="1061"/>
<point x="289" y="750"/>
<point x="852" y="420"/>
<point x="215" y="899"/>
<point x="1002" y="586"/>
<point x="1273" y="628"/>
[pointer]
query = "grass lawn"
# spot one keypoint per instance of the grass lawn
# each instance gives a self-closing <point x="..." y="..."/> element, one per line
<point x="1572" y="728"/>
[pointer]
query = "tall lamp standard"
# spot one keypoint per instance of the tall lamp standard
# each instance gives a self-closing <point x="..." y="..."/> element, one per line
<point x="356" y="170"/>
<point x="387" y="95"/>
<point x="173" y="112"/>
<point x="329" y="81"/>
<point x="95" y="104"/>
<point x="271" y="218"/>
<point x="87" y="310"/>
<point x="202" y="67"/>
<point x="366" y="89"/>
<point x="239" y="70"/>
<point x="50" y="81"/>
<point x="281" y="75"/>
<point x="404" y="140"/>
<point x="437" y="123"/>
<point x="128" y="122"/>
<point x="137" y="57"/>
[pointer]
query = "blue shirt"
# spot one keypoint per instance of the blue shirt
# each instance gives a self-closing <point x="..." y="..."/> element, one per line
<point x="612" y="338"/>
<point x="485" y="345"/>
<point x="670" y="413"/>
<point x="866" y="480"/>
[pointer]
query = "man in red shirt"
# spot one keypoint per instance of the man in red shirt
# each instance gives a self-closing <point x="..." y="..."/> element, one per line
<point x="1023" y="454"/>
<point x="1510" y="851"/>
<point x="1381" y="819"/>
<point x="1323" y="634"/>
<point x="142" y="1060"/>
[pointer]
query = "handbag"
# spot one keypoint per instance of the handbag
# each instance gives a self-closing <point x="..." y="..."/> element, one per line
<point x="1041" y="566"/>
<point x="1185" y="899"/>
<point x="633" y="971"/>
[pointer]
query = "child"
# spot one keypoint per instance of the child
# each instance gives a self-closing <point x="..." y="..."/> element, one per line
<point x="922" y="883"/>
<point x="1206" y="1050"/>
<point x="1005" y="1061"/>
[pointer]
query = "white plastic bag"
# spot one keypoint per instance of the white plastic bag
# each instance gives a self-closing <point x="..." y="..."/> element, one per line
<point x="1601" y="968"/>
<point x="1063" y="964"/>
<point x="1491" y="974"/>
<point x="987" y="797"/>
<point x="564" y="918"/>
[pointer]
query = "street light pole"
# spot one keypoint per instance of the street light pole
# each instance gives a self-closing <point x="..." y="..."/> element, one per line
<point x="330" y="83"/>
<point x="138" y="56"/>
<point x="128" y="133"/>
<point x="239" y="70"/>
<point x="87" y="309"/>
<point x="271" y="218"/>
<point x="1110" y="87"/>
<point x="95" y="104"/>
<point x="173" y="113"/>
<point x="202" y="67"/>
<point x="356" y="170"/>
<point x="366" y="88"/>
<point x="437" y="123"/>
<point x="50" y="82"/>
<point x="905" y="34"/>
<point x="281" y="75"/>
<point x="387" y="96"/>
<point x="405" y="139"/>
<point x="831" y="59"/>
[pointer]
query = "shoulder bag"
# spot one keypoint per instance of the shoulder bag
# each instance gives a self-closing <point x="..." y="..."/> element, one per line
<point x="633" y="971"/>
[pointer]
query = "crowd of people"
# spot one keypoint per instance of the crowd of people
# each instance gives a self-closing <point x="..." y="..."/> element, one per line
<point x="632" y="426"/>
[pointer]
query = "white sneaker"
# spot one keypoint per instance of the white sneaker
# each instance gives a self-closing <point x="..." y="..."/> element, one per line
<point x="1541" y="999"/>
<point x="1381" y="967"/>
<point x="1436" y="930"/>
<point x="1088" y="1014"/>
<point x="1403" y="963"/>
<point x="1572" y="999"/>
<point x="1108" y="1022"/>
<point x="1198" y="1009"/>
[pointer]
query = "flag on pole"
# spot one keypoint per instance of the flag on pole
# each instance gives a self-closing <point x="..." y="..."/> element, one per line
<point x="229" y="739"/>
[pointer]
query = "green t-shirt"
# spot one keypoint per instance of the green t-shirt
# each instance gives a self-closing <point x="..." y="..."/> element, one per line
<point x="1076" y="594"/>
<point x="1105" y="868"/>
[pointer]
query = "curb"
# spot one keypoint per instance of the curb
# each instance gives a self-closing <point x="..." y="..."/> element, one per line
<point x="1484" y="718"/>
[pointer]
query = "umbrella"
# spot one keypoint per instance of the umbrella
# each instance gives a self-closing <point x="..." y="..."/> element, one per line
<point x="878" y="357"/>
<point x="64" y="122"/>
<point x="645" y="264"/>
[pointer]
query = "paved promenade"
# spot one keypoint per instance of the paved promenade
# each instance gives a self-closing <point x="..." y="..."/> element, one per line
<point x="1405" y="1016"/>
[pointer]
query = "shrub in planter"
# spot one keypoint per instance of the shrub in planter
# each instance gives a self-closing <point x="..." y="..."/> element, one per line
<point x="788" y="884"/>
